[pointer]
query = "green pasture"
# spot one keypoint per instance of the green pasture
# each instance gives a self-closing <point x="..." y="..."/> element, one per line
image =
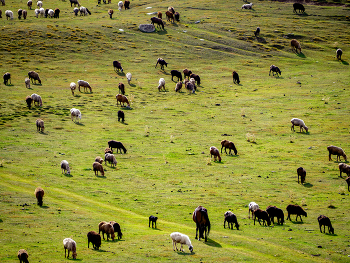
<point x="167" y="170"/>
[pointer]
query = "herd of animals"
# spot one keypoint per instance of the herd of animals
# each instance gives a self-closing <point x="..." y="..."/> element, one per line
<point x="200" y="215"/>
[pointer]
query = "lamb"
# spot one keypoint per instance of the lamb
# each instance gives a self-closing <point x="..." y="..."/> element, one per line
<point x="24" y="13"/>
<point x="302" y="174"/>
<point x="161" y="84"/>
<point x="37" y="98"/>
<point x="197" y="78"/>
<point x="300" y="123"/>
<point x="29" y="101"/>
<point x="7" y="78"/>
<point x="97" y="167"/>
<point x="9" y="14"/>
<point x="29" y="4"/>
<point x="110" y="13"/>
<point x="120" y="5"/>
<point x="117" y="65"/>
<point x="75" y="113"/>
<point x="187" y="73"/>
<point x="182" y="239"/>
<point x="177" y="16"/>
<point x="215" y="152"/>
<point x="343" y="167"/>
<point x="111" y="159"/>
<point x="19" y="12"/>
<point x="70" y="245"/>
<point x="117" y="229"/>
<point x="273" y="212"/>
<point x="261" y="214"/>
<point x="336" y="151"/>
<point x="274" y="70"/>
<point x="295" y="45"/>
<point x="57" y="13"/>
<point x="170" y="16"/>
<point x="39" y="125"/>
<point x="247" y="6"/>
<point x="85" y="84"/>
<point x="65" y="167"/>
<point x="252" y="207"/>
<point x="128" y="77"/>
<point x="178" y="86"/>
<point x="171" y="9"/>
<point x="121" y="115"/>
<point x="121" y="87"/>
<point x="114" y="144"/>
<point x="99" y="159"/>
<point x="122" y="99"/>
<point x="22" y="256"/>
<point x="107" y="229"/>
<point x="127" y="4"/>
<point x="95" y="239"/>
<point x="325" y="221"/>
<point x="39" y="4"/>
<point x="348" y="182"/>
<point x="76" y="11"/>
<point x="39" y="194"/>
<point x="152" y="219"/>
<point x="176" y="73"/>
<point x="230" y="145"/>
<point x="257" y="32"/>
<point x="72" y="86"/>
<point x="34" y="76"/>
<point x="161" y="62"/>
<point x="339" y="52"/>
<point x="231" y="219"/>
<point x="295" y="209"/>
<point x="75" y="2"/>
<point x="235" y="77"/>
<point x="298" y="6"/>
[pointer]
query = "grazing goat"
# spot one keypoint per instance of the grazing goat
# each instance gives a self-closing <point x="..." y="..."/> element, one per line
<point x="39" y="125"/>
<point x="178" y="86"/>
<point x="110" y="13"/>
<point x="302" y="174"/>
<point x="95" y="239"/>
<point x="0" y="14"/>
<point x="177" y="16"/>
<point x="75" y="113"/>
<point x="75" y="2"/>
<point x="51" y="13"/>
<point x="161" y="62"/>
<point x="76" y="11"/>
<point x="34" y="76"/>
<point x="176" y="73"/>
<point x="161" y="84"/>
<point x="158" y="21"/>
<point x="127" y="4"/>
<point x="235" y="77"/>
<point x="257" y="32"/>
<point x="231" y="219"/>
<point x="29" y="4"/>
<point x="336" y="151"/>
<point x="247" y="6"/>
<point x="37" y="99"/>
<point x="97" y="167"/>
<point x="7" y="78"/>
<point x="22" y="256"/>
<point x="65" y="167"/>
<point x="70" y="245"/>
<point x="339" y="52"/>
<point x="197" y="78"/>
<point x="300" y="123"/>
<point x="295" y="45"/>
<point x="84" y="11"/>
<point x="122" y="99"/>
<point x="274" y="70"/>
<point x="24" y="13"/>
<point x="298" y="6"/>
<point x="29" y="101"/>
<point x="215" y="152"/>
<point x="325" y="221"/>
<point x="273" y="212"/>
<point x="85" y="84"/>
<point x="128" y="77"/>
<point x="121" y="88"/>
<point x="114" y="144"/>
<point x="152" y="219"/>
<point x="187" y="73"/>
<point x="182" y="239"/>
<point x="121" y="115"/>
<point x="39" y="194"/>
<point x="109" y="157"/>
<point x="343" y="167"/>
<point x="230" y="145"/>
<point x="348" y="182"/>
<point x="295" y="210"/>
<point x="117" y="229"/>
<point x="117" y="66"/>
<point x="251" y="208"/>
<point x="263" y="215"/>
<point x="72" y="86"/>
<point x="170" y="16"/>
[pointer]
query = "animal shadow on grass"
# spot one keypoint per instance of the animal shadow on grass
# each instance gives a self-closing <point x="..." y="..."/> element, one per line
<point x="43" y="133"/>
<point x="344" y="62"/>
<point x="122" y="74"/>
<point x="185" y="253"/>
<point x="212" y="243"/>
<point x="44" y="206"/>
<point x="132" y="85"/>
<point x="68" y="175"/>
<point x="297" y="222"/>
<point x="161" y="32"/>
<point x="77" y="95"/>
<point x="303" y="14"/>
<point x="308" y="185"/>
<point x="79" y="123"/>
<point x="301" y="55"/>
<point x="261" y="40"/>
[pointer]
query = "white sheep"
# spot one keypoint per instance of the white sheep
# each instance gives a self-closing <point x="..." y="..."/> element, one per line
<point x="84" y="84"/>
<point x="73" y="86"/>
<point x="128" y="76"/>
<point x="298" y="122"/>
<point x="76" y="11"/>
<point x="27" y="82"/>
<point x="120" y="5"/>
<point x="42" y="11"/>
<point x="50" y="13"/>
<point x="75" y="113"/>
<point x="39" y="4"/>
<point x="70" y="244"/>
<point x="182" y="239"/>
<point x="252" y="207"/>
<point x="9" y="14"/>
<point x="110" y="158"/>
<point x="161" y="84"/>
<point x="83" y="11"/>
<point x="37" y="12"/>
<point x="65" y="167"/>
<point x="247" y="6"/>
<point x="37" y="98"/>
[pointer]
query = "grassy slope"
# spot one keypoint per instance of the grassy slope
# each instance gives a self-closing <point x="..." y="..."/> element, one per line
<point x="167" y="172"/>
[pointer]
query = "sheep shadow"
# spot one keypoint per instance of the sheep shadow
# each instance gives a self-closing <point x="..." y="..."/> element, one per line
<point x="124" y="123"/>
<point x="77" y="95"/>
<point x="161" y="32"/>
<point x="297" y="222"/>
<point x="308" y="185"/>
<point x="301" y="55"/>
<point x="100" y="176"/>
<point x="44" y="207"/>
<point x="68" y="175"/>
<point x="212" y="243"/>
<point x="121" y="74"/>
<point x="184" y="253"/>
<point x="232" y="155"/>
<point x="302" y="14"/>
<point x="79" y="123"/>
<point x="132" y="85"/>
<point x="43" y="133"/>
<point x="344" y="62"/>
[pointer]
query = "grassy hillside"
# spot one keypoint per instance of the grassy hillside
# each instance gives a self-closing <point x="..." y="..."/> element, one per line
<point x="167" y="170"/>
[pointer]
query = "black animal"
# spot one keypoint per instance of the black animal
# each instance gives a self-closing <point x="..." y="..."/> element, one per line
<point x="121" y="87"/>
<point x="152" y="219"/>
<point x="114" y="144"/>
<point x="95" y="239"/>
<point x="117" y="229"/>
<point x="257" y="32"/>
<point x="127" y="4"/>
<point x="87" y="10"/>
<point x="19" y="12"/>
<point x="57" y="13"/>
<point x="298" y="6"/>
<point x="161" y="62"/>
<point x="177" y="16"/>
<point x="231" y="219"/>
<point x="274" y="70"/>
<point x="325" y="221"/>
<point x="75" y="2"/>
<point x="46" y="12"/>
<point x="235" y="77"/>
<point x="117" y="66"/>
<point x="121" y="115"/>
<point x="176" y="73"/>
<point x="302" y="174"/>
<point x="158" y="21"/>
<point x="296" y="210"/>
<point x="273" y="212"/>
<point x="196" y="78"/>
<point x="339" y="53"/>
<point x="263" y="215"/>
<point x="187" y="73"/>
<point x="7" y="78"/>
<point x="347" y="180"/>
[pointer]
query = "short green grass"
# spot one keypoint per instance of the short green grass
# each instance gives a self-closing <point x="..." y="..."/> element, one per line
<point x="167" y="170"/>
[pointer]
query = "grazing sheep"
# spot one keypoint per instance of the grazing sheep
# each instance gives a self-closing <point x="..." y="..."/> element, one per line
<point x="343" y="167"/>
<point x="37" y="12"/>
<point x="247" y="6"/>
<point x="197" y="78"/>
<point x="37" y="98"/>
<point x="128" y="77"/>
<point x="108" y="150"/>
<point x="51" y="13"/>
<point x="65" y="167"/>
<point x="39" y="125"/>
<point x="75" y="2"/>
<point x="95" y="239"/>
<point x="34" y="76"/>
<point x="302" y="174"/>
<point x="273" y="212"/>
<point x="9" y="14"/>
<point x="84" y="11"/>
<point x="107" y="229"/>
<point x="160" y="15"/>
<point x="76" y="11"/>
<point x="215" y="152"/>
<point x="29" y="101"/>
<point x="24" y="13"/>
<point x="97" y="167"/>
<point x="111" y="159"/>
<point x="121" y="87"/>
<point x="187" y="73"/>
<point x="57" y="13"/>
<point x="120" y="5"/>
<point x="158" y="21"/>
<point x="295" y="45"/>
<point x="22" y="256"/>
<point x="325" y="221"/>
<point x="161" y="62"/>
<point x="114" y="144"/>
<point x="300" y="123"/>
<point x="182" y="239"/>
<point x="170" y="16"/>
<point x="117" y="229"/>
<point x="235" y="77"/>
<point x="122" y="99"/>
<point x="189" y="86"/>
<point x="178" y="86"/>
<point x="19" y="12"/>
<point x="230" y="145"/>
<point x="75" y="113"/>
<point x="339" y="52"/>
<point x="39" y="194"/>
<point x="85" y="84"/>
<point x="161" y="84"/>
<point x="39" y="4"/>
<point x="348" y="182"/>
<point x="252" y="207"/>
<point x="176" y="73"/>
<point x="171" y="9"/>
<point x="263" y="215"/>
<point x="72" y="86"/>
<point x="42" y="11"/>
<point x="29" y="4"/>
<point x="99" y="159"/>
<point x="231" y="219"/>
<point x="70" y="245"/>
<point x="152" y="219"/>
<point x="7" y="78"/>
<point x="274" y="70"/>
<point x="295" y="210"/>
<point x="336" y="151"/>
<point x="298" y="6"/>
<point x="127" y="4"/>
<point x="257" y="32"/>
<point x="110" y="13"/>
<point x="121" y="115"/>
<point x="117" y="66"/>
<point x="193" y="81"/>
<point x="177" y="16"/>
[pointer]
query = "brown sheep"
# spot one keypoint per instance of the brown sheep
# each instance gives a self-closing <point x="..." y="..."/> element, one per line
<point x="261" y="214"/>
<point x="34" y="76"/>
<point x="215" y="152"/>
<point x="108" y="150"/>
<point x="160" y="15"/>
<point x="95" y="239"/>
<point x="22" y="256"/>
<point x="231" y="219"/>
<point x="110" y="13"/>
<point x="39" y="125"/>
<point x="107" y="229"/>
<point x="230" y="145"/>
<point x="171" y="9"/>
<point x="336" y="151"/>
<point x="122" y="99"/>
<point x="178" y="86"/>
<point x="98" y="167"/>
<point x="39" y="194"/>
<point x="273" y="212"/>
<point x="302" y="174"/>
<point x="121" y="87"/>
<point x="325" y="221"/>
<point x="29" y="101"/>
<point x="170" y="16"/>
<point x="99" y="159"/>
<point x="295" y="45"/>
<point x="295" y="210"/>
<point x="343" y="167"/>
<point x="187" y="73"/>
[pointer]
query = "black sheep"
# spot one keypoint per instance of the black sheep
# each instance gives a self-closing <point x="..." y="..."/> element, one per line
<point x="298" y="6"/>
<point x="302" y="174"/>
<point x="295" y="210"/>
<point x="7" y="78"/>
<point x="95" y="239"/>
<point x="176" y="73"/>
<point x="235" y="77"/>
<point x="117" y="229"/>
<point x="177" y="16"/>
<point x="196" y="78"/>
<point x="158" y="21"/>
<point x="325" y="221"/>
<point x="152" y="219"/>
<point x="121" y="115"/>
<point x="114" y="144"/>
<point x="161" y="62"/>
<point x="117" y="66"/>
<point x="121" y="87"/>
<point x="231" y="219"/>
<point x="274" y="70"/>
<point x="257" y="32"/>
<point x="260" y="214"/>
<point x="75" y="2"/>
<point x="19" y="12"/>
<point x="57" y="13"/>
<point x="126" y="4"/>
<point x="273" y="212"/>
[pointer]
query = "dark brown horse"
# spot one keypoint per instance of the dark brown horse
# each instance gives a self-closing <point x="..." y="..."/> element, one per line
<point x="200" y="217"/>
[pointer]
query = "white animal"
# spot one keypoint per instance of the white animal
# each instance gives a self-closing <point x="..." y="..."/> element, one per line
<point x="65" y="167"/>
<point x="70" y="244"/>
<point x="37" y="12"/>
<point x="161" y="84"/>
<point x="85" y="84"/>
<point x="247" y="6"/>
<point x="109" y="157"/>
<point x="39" y="4"/>
<point x="50" y="13"/>
<point x="42" y="12"/>
<point x="75" y="113"/>
<point x="83" y="11"/>
<point x="128" y="76"/>
<point x="193" y="81"/>
<point x="252" y="207"/>
<point x="182" y="239"/>
<point x="37" y="98"/>
<point x="27" y="82"/>
<point x="120" y="5"/>
<point x="298" y="122"/>
<point x="73" y="86"/>
<point x="9" y="14"/>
